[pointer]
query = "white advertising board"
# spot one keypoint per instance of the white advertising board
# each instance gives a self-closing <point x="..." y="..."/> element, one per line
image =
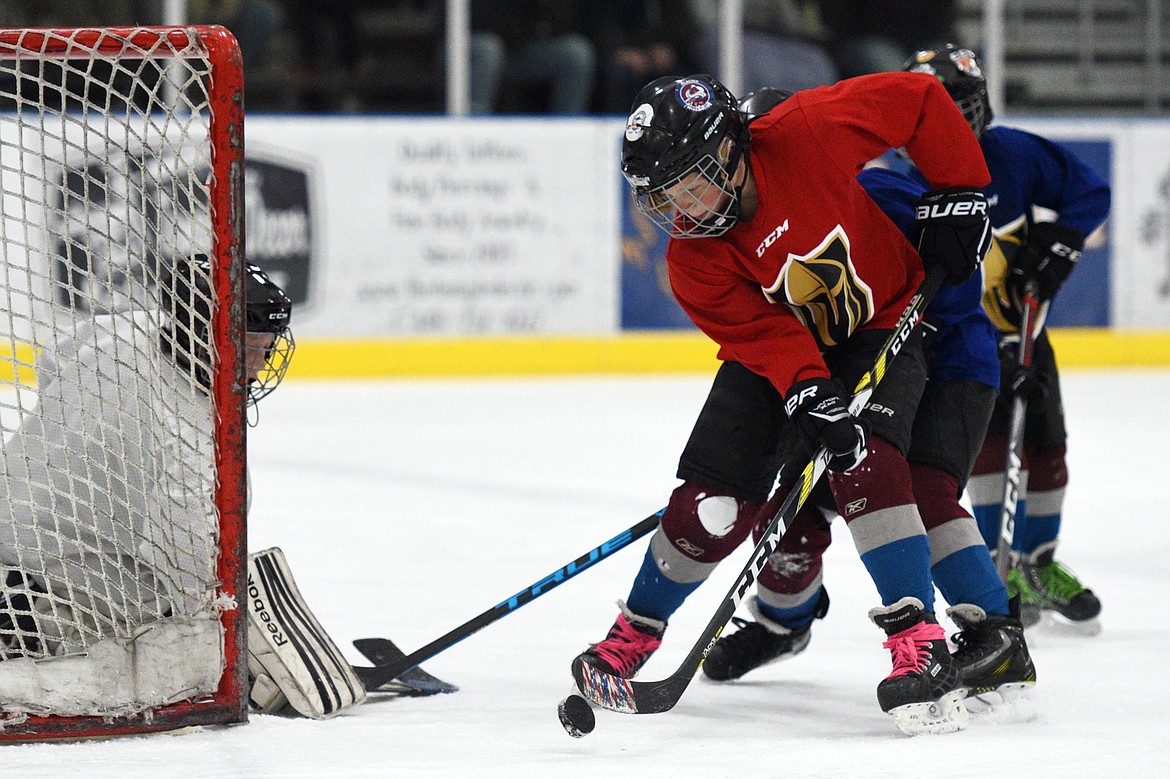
<point x="1139" y="220"/>
<point x="113" y="197"/>
<point x="1141" y="280"/>
<point x="435" y="227"/>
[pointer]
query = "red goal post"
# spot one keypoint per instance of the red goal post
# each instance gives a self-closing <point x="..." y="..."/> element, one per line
<point x="121" y="154"/>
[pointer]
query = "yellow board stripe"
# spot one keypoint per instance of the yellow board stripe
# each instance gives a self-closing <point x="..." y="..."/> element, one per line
<point x="650" y="352"/>
<point x="16" y="364"/>
<point x="635" y="353"/>
<point x="1102" y="348"/>
<point x="685" y="352"/>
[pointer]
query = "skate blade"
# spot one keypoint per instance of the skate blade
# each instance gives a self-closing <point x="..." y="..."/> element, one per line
<point x="1009" y="703"/>
<point x="946" y="715"/>
<point x="1056" y="623"/>
<point x="1030" y="615"/>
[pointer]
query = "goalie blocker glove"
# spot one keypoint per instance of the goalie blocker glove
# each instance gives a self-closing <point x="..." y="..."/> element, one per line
<point x="1048" y="256"/>
<point x="955" y="231"/>
<point x="821" y="415"/>
<point x="293" y="665"/>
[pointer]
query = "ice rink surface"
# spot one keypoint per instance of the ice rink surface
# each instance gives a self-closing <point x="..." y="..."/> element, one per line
<point x="406" y="508"/>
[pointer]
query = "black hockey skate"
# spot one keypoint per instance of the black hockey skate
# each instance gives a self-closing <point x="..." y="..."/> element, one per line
<point x="627" y="646"/>
<point x="993" y="659"/>
<point x="923" y="693"/>
<point x="1047" y="586"/>
<point x="756" y="644"/>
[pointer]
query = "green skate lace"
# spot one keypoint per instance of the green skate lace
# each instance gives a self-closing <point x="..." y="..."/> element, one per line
<point x="1016" y="583"/>
<point x="1060" y="583"/>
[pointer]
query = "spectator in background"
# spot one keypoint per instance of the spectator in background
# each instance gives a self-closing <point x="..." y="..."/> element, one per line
<point x="529" y="51"/>
<point x="873" y="36"/>
<point x="782" y="44"/>
<point x="67" y="13"/>
<point x="329" y="47"/>
<point x="252" y="22"/>
<point x="636" y="42"/>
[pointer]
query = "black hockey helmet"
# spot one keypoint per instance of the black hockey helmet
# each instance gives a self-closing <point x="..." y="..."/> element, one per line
<point x="268" y="311"/>
<point x="268" y="308"/>
<point x="685" y="128"/>
<point x="960" y="72"/>
<point x="186" y="302"/>
<point x="753" y="105"/>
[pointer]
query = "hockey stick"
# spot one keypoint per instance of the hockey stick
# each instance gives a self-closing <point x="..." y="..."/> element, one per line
<point x="376" y="676"/>
<point x="633" y="697"/>
<point x="415" y="682"/>
<point x="1013" y="460"/>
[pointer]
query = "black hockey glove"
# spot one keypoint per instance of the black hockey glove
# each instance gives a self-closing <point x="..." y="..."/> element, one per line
<point x="955" y="231"/>
<point x="1014" y="379"/>
<point x="821" y="415"/>
<point x="1049" y="255"/>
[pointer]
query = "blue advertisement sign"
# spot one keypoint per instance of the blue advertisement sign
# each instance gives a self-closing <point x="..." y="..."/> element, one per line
<point x="1083" y="301"/>
<point x="647" y="302"/>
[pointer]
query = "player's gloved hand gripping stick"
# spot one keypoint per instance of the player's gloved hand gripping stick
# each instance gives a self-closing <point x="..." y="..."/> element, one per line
<point x="634" y="697"/>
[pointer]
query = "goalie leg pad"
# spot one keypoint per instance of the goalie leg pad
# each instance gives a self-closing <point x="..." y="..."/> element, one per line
<point x="291" y="659"/>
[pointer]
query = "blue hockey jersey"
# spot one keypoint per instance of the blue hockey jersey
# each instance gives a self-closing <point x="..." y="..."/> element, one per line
<point x="1027" y="170"/>
<point x="965" y="344"/>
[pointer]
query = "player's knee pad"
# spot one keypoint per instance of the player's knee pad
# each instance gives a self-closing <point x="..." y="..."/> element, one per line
<point x="796" y="563"/>
<point x="991" y="456"/>
<point x="819" y="502"/>
<point x="883" y="483"/>
<point x="1047" y="468"/>
<point x="937" y="494"/>
<point x="949" y="528"/>
<point x="706" y="525"/>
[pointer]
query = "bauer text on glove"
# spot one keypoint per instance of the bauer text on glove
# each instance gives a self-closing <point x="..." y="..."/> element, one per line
<point x="955" y="231"/>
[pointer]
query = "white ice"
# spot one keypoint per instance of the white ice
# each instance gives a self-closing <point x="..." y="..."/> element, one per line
<point x="408" y="507"/>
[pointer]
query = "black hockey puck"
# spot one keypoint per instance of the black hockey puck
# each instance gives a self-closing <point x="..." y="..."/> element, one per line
<point x="576" y="716"/>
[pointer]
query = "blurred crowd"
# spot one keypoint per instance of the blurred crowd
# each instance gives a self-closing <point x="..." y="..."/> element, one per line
<point x="526" y="56"/>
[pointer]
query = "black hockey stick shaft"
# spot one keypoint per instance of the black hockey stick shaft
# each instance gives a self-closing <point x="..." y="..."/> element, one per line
<point x="635" y="697"/>
<point x="1013" y="460"/>
<point x="375" y="676"/>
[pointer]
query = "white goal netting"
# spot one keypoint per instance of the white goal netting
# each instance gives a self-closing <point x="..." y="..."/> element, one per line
<point x="110" y="596"/>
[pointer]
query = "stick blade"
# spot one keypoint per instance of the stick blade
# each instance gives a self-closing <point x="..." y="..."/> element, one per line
<point x="415" y="682"/>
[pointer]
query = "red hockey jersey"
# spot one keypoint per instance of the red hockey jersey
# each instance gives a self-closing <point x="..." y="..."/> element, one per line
<point x="818" y="260"/>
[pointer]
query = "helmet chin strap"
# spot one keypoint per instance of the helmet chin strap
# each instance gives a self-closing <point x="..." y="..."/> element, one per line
<point x="740" y="152"/>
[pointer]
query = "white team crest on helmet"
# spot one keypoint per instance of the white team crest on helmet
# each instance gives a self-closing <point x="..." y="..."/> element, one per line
<point x="965" y="61"/>
<point x="694" y="95"/>
<point x="638" y="122"/>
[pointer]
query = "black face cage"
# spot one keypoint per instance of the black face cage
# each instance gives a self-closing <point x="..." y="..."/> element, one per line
<point x="974" y="108"/>
<point x="699" y="203"/>
<point x="276" y="361"/>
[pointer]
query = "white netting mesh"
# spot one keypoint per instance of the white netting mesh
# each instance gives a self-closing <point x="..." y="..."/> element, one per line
<point x="108" y="529"/>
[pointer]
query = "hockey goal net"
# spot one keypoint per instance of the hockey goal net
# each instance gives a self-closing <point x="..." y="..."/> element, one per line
<point x="122" y="485"/>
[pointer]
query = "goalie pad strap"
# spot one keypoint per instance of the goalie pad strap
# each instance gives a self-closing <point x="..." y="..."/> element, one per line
<point x="289" y="650"/>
